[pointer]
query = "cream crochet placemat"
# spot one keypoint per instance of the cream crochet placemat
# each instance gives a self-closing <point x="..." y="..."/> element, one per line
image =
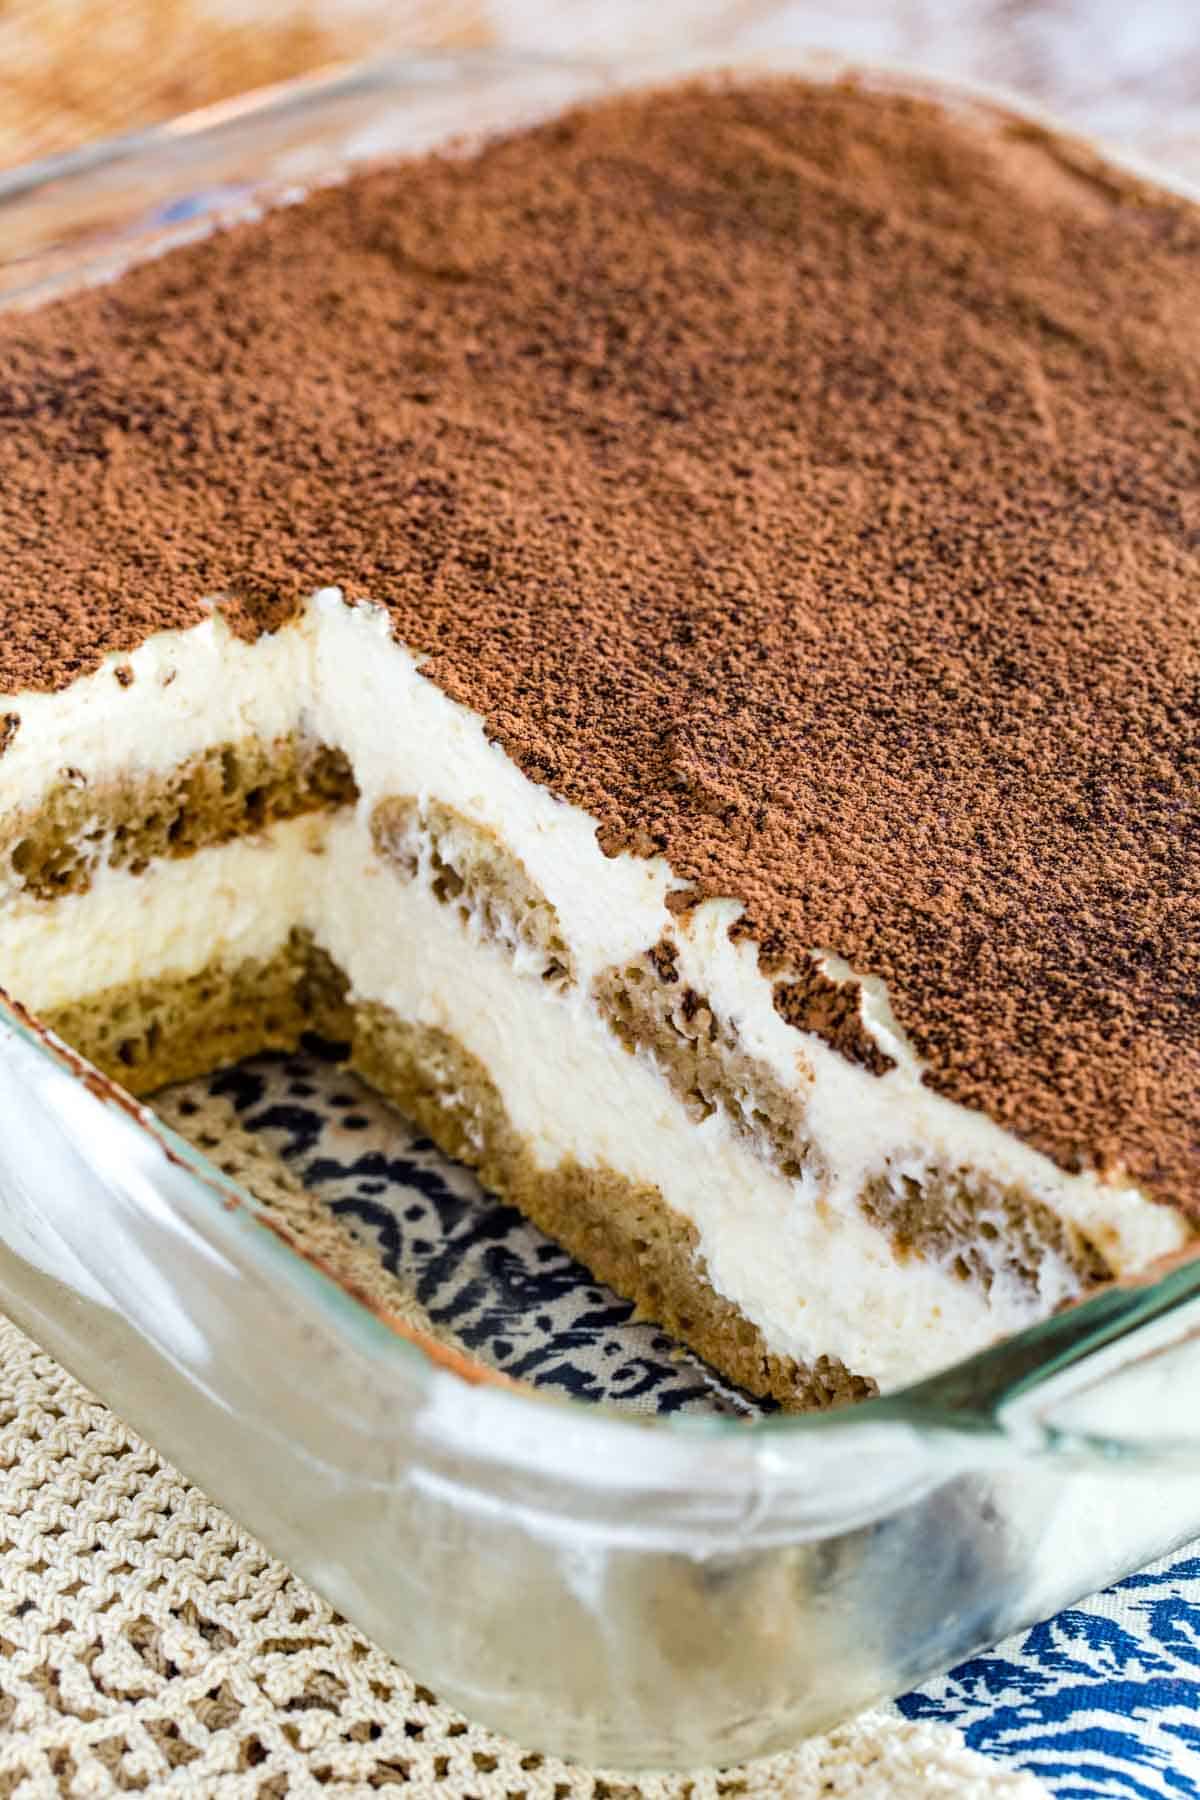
<point x="146" y="1643"/>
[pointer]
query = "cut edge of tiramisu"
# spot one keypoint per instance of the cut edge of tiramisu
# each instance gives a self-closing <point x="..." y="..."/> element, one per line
<point x="812" y="1223"/>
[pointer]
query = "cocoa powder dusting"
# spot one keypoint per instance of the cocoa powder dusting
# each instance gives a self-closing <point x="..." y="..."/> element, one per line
<point x="804" y="481"/>
<point x="815" y="1002"/>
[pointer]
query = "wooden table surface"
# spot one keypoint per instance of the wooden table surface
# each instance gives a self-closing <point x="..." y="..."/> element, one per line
<point x="73" y="69"/>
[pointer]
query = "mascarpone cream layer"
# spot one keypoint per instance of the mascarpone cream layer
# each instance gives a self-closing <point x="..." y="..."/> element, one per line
<point x="815" y="1277"/>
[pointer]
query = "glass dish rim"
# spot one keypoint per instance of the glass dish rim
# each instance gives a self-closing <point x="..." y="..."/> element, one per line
<point x="649" y="68"/>
<point x="973" y="1400"/>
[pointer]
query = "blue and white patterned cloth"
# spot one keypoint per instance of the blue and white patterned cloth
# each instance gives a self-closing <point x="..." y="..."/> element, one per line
<point x="1103" y="1700"/>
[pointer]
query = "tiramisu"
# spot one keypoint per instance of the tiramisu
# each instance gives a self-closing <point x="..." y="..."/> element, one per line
<point x="676" y="636"/>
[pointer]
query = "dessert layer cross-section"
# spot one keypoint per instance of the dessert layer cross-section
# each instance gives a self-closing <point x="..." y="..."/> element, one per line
<point x="675" y="635"/>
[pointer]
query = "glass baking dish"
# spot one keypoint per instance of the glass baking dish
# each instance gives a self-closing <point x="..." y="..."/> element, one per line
<point x="668" y="1592"/>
